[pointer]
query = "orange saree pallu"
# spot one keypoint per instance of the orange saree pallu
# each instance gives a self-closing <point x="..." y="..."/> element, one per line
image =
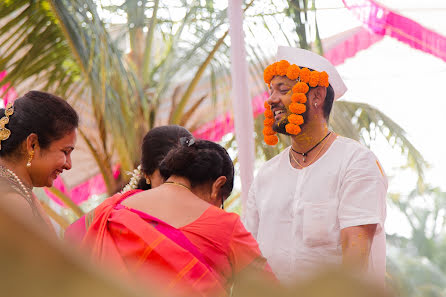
<point x="139" y="245"/>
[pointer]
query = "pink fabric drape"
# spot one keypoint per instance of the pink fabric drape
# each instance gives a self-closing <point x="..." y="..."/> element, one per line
<point x="224" y="124"/>
<point x="83" y="191"/>
<point x="383" y="21"/>
<point x="11" y="94"/>
<point x="348" y="48"/>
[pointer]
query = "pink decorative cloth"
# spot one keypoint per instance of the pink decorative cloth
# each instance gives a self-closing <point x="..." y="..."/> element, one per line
<point x="383" y="21"/>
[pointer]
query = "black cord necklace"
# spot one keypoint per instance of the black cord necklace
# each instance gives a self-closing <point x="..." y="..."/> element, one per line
<point x="304" y="155"/>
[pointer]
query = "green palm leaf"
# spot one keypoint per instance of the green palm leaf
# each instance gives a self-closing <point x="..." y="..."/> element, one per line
<point x="357" y="120"/>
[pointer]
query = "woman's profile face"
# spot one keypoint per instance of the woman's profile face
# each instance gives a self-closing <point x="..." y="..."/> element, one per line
<point x="48" y="163"/>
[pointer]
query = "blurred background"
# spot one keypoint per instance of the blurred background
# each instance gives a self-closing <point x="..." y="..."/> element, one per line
<point x="128" y="66"/>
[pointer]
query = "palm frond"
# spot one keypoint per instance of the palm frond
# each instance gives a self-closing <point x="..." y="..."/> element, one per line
<point x="33" y="47"/>
<point x="356" y="120"/>
<point x="67" y="201"/>
<point x="114" y="89"/>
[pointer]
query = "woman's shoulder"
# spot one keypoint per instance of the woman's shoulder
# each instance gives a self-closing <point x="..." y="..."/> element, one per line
<point x="18" y="204"/>
<point x="218" y="221"/>
<point x="221" y="214"/>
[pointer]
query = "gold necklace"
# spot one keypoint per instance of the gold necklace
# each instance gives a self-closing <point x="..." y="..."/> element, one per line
<point x="17" y="184"/>
<point x="305" y="154"/>
<point x="178" y="184"/>
<point x="294" y="158"/>
<point x="309" y="163"/>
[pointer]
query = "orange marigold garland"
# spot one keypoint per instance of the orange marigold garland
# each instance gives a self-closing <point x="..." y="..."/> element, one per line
<point x="268" y="122"/>
<point x="269" y="113"/>
<point x="314" y="79"/>
<point x="268" y="74"/>
<point x="282" y="67"/>
<point x="323" y="79"/>
<point x="299" y="98"/>
<point x="304" y="77"/>
<point x="301" y="87"/>
<point x="268" y="130"/>
<point x="293" y="72"/>
<point x="271" y="139"/>
<point x="297" y="108"/>
<point x="296" y="119"/>
<point x="292" y="129"/>
<point x="269" y="135"/>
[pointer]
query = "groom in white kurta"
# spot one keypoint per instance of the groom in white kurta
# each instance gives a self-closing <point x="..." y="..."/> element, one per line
<point x="327" y="207"/>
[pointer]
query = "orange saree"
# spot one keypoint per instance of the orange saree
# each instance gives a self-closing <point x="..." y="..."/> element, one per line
<point x="202" y="257"/>
<point x="136" y="244"/>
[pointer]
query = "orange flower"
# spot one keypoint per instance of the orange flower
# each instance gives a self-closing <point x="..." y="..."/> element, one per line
<point x="268" y="74"/>
<point x="268" y="113"/>
<point x="295" y="119"/>
<point x="299" y="98"/>
<point x="314" y="79"/>
<point x="268" y="122"/>
<point x="323" y="79"/>
<point x="267" y="106"/>
<point x="297" y="108"/>
<point x="305" y="75"/>
<point x="300" y="87"/>
<point x="282" y="67"/>
<point x="271" y="139"/>
<point x="292" y="129"/>
<point x="268" y="130"/>
<point x="293" y="72"/>
<point x="274" y="67"/>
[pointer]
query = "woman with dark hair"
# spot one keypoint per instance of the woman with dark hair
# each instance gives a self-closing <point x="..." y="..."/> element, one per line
<point x="37" y="136"/>
<point x="155" y="146"/>
<point x="177" y="232"/>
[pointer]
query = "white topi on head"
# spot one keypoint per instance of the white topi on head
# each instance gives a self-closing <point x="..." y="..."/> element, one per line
<point x="305" y="58"/>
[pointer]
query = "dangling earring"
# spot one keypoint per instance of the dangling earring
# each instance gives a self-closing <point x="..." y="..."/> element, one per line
<point x="30" y="158"/>
<point x="315" y="104"/>
<point x="148" y="181"/>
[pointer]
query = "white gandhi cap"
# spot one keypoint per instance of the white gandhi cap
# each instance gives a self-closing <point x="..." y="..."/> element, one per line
<point x="305" y="58"/>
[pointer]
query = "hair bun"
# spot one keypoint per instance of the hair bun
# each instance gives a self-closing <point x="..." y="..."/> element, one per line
<point x="200" y="161"/>
<point x="178" y="160"/>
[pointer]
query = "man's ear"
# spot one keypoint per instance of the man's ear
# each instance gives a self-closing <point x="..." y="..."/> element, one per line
<point x="321" y="93"/>
<point x="216" y="186"/>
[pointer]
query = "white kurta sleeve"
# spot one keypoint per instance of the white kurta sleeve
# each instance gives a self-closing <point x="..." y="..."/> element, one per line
<point x="363" y="192"/>
<point x="250" y="215"/>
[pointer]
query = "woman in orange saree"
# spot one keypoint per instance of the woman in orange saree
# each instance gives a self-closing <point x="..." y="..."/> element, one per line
<point x="136" y="243"/>
<point x="187" y="241"/>
<point x="155" y="146"/>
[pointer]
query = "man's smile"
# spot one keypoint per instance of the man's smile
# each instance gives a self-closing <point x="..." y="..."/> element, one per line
<point x="279" y="113"/>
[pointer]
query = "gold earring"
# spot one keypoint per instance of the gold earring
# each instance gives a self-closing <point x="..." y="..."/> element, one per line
<point x="148" y="181"/>
<point x="30" y="158"/>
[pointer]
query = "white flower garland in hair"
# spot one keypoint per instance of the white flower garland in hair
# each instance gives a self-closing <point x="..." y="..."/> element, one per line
<point x="133" y="183"/>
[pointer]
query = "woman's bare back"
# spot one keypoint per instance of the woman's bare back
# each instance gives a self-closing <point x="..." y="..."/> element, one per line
<point x="172" y="204"/>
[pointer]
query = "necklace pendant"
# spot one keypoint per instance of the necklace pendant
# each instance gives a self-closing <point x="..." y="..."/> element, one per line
<point x="304" y="157"/>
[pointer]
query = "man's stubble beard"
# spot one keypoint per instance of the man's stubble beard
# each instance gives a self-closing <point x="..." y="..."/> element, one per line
<point x="279" y="127"/>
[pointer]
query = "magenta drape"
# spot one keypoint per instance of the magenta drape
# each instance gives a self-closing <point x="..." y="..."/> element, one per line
<point x="383" y="21"/>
